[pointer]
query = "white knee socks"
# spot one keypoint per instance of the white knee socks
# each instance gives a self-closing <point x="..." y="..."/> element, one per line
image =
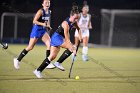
<point x="85" y="51"/>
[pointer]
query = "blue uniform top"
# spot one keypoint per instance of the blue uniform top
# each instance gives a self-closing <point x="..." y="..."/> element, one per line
<point x="58" y="37"/>
<point x="60" y="29"/>
<point x="38" y="30"/>
<point x="45" y="16"/>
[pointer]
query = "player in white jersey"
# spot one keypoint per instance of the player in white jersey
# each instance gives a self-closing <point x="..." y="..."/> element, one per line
<point x="85" y="24"/>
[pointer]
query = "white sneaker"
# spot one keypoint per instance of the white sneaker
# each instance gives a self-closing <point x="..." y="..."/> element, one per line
<point x="50" y="66"/>
<point x="59" y="66"/>
<point x="16" y="63"/>
<point x="85" y="57"/>
<point x="37" y="74"/>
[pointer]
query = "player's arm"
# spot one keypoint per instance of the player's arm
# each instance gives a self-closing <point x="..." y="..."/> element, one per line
<point x="89" y="23"/>
<point x="37" y="16"/>
<point x="66" y="31"/>
<point x="67" y="37"/>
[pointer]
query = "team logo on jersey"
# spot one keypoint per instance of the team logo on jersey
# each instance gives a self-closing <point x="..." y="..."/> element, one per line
<point x="84" y="21"/>
<point x="45" y="18"/>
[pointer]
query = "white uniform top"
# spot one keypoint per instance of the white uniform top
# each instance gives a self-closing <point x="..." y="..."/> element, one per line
<point x="83" y="24"/>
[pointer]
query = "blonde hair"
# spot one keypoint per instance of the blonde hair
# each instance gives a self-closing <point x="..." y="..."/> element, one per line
<point x="85" y="6"/>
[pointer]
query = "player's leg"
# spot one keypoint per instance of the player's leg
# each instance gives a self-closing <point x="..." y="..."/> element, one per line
<point x="76" y="41"/>
<point x="85" y="36"/>
<point x="46" y="40"/>
<point x="64" y="56"/>
<point x="61" y="59"/>
<point x="30" y="46"/>
<point x="66" y="53"/>
<point x="53" y="53"/>
<point x="35" y="34"/>
<point x="85" y="48"/>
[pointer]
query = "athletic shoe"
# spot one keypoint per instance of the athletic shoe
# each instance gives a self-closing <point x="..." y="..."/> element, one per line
<point x="59" y="66"/>
<point x="16" y="63"/>
<point x="85" y="57"/>
<point x="37" y="74"/>
<point x="50" y="66"/>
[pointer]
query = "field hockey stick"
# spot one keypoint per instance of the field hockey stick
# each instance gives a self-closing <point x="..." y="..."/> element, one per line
<point x="4" y="46"/>
<point x="73" y="59"/>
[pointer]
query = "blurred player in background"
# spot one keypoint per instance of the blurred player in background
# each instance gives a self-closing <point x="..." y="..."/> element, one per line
<point x="84" y="23"/>
<point x="41" y="24"/>
<point x="61" y="38"/>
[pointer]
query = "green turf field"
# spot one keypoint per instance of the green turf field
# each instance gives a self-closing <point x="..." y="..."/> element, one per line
<point x="109" y="70"/>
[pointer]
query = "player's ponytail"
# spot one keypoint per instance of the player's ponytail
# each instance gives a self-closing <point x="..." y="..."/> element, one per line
<point x="74" y="10"/>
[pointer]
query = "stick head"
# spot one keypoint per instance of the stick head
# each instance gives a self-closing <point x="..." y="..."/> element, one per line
<point x="5" y="46"/>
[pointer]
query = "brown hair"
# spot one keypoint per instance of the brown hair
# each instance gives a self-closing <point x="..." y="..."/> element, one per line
<point x="74" y="10"/>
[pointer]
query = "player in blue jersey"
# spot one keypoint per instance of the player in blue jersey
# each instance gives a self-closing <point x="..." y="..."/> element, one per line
<point x="41" y="24"/>
<point x="61" y="38"/>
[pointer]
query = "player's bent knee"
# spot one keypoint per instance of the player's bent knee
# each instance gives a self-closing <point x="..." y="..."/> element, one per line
<point x="52" y="57"/>
<point x="47" y="43"/>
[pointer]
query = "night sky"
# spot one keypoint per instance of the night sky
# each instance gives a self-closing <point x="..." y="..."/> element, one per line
<point x="61" y="8"/>
<point x="32" y="5"/>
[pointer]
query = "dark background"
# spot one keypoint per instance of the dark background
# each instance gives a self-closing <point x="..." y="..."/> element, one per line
<point x="61" y="8"/>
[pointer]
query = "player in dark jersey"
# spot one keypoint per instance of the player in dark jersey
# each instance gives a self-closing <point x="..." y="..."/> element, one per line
<point x="61" y="38"/>
<point x="41" y="24"/>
